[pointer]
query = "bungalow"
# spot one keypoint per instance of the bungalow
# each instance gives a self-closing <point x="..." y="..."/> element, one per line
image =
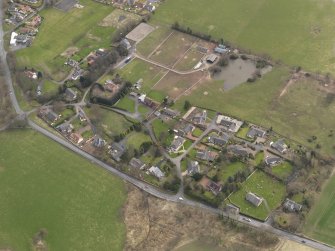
<point x="254" y="199"/>
<point x="155" y="171"/>
<point x="273" y="160"/>
<point x="256" y="132"/>
<point x="238" y="151"/>
<point x="169" y="112"/>
<point x="200" y="118"/>
<point x="280" y="146"/>
<point x="70" y="94"/>
<point x="117" y="150"/>
<point x="76" y="138"/>
<point x="193" y="167"/>
<point x="65" y="128"/>
<point x="228" y="123"/>
<point x="137" y="163"/>
<point x="51" y="116"/>
<point x="98" y="142"/>
<point x="110" y="86"/>
<point x="292" y="206"/>
<point x="176" y="144"/>
<point x="206" y="155"/>
<point x="126" y="44"/>
<point x="214" y="187"/>
<point x="184" y="131"/>
<point x="219" y="140"/>
<point x="76" y="74"/>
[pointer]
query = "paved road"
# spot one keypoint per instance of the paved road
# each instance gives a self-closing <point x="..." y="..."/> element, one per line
<point x="142" y="185"/>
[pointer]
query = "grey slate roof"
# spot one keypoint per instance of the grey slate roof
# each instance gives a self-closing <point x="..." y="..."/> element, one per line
<point x="254" y="199"/>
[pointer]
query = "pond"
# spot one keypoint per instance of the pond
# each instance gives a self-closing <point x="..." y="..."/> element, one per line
<point x="237" y="72"/>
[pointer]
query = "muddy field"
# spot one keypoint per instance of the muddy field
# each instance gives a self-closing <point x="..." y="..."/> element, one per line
<point x="153" y="224"/>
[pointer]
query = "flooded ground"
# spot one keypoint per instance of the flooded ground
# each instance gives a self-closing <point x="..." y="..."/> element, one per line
<point x="198" y="246"/>
<point x="237" y="72"/>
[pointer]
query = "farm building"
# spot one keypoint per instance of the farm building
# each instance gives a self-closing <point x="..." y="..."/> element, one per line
<point x="211" y="58"/>
<point x="254" y="199"/>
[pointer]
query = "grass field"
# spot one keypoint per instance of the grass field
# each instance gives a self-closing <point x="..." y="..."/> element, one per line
<point x="283" y="170"/>
<point x="61" y="30"/>
<point x="173" y="48"/>
<point x="298" y="32"/>
<point x="229" y="170"/>
<point x="320" y="223"/>
<point x="138" y="69"/>
<point x="126" y="104"/>
<point x="76" y="202"/>
<point x="261" y="184"/>
<point x="135" y="139"/>
<point x="189" y="60"/>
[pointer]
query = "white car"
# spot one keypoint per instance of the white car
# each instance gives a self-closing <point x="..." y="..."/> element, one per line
<point x="180" y="198"/>
<point x="246" y="219"/>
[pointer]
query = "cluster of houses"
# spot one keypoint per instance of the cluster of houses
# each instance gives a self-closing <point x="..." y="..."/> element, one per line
<point x="17" y="13"/>
<point x="134" y="5"/>
<point x="25" y="34"/>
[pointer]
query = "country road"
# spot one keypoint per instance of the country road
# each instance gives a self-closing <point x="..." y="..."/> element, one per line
<point x="140" y="184"/>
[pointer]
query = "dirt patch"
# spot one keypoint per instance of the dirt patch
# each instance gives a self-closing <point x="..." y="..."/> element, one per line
<point x="118" y="18"/>
<point x="154" y="224"/>
<point x="291" y="245"/>
<point x="69" y="52"/>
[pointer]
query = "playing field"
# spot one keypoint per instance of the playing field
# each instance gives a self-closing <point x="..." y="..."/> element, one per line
<point x="320" y="222"/>
<point x="261" y="184"/>
<point x="298" y="32"/>
<point x="43" y="185"/>
<point x="77" y="29"/>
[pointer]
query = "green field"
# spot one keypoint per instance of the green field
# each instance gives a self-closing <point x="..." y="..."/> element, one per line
<point x="135" y="139"/>
<point x="272" y="191"/>
<point x="126" y="104"/>
<point x="43" y="185"/>
<point x="320" y="223"/>
<point x="138" y="69"/>
<point x="230" y="170"/>
<point x="61" y="30"/>
<point x="283" y="170"/>
<point x="298" y="32"/>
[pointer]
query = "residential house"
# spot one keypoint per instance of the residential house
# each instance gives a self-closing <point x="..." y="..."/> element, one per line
<point x="206" y="155"/>
<point x="219" y="140"/>
<point x="228" y="123"/>
<point x="280" y="146"/>
<point x="193" y="167"/>
<point x="31" y="74"/>
<point x="137" y="163"/>
<point x="126" y="44"/>
<point x="117" y="150"/>
<point x="76" y="74"/>
<point x="238" y="151"/>
<point x="76" y="138"/>
<point x="256" y="132"/>
<point x="111" y="86"/>
<point x="65" y="128"/>
<point x="200" y="118"/>
<point x="292" y="206"/>
<point x="273" y="160"/>
<point x="51" y="116"/>
<point x="254" y="199"/>
<point x="155" y="171"/>
<point x="71" y="62"/>
<point x="176" y="144"/>
<point x="187" y="129"/>
<point x="98" y="142"/>
<point x="170" y="113"/>
<point x="214" y="187"/>
<point x="70" y="94"/>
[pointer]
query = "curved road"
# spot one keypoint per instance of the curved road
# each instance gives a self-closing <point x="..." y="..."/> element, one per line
<point x="142" y="185"/>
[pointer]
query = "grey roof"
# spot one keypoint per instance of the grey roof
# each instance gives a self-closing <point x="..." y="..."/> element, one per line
<point x="292" y="205"/>
<point x="117" y="150"/>
<point x="136" y="163"/>
<point x="211" y="58"/>
<point x="98" y="142"/>
<point x="220" y="50"/>
<point x="219" y="140"/>
<point x="51" y="116"/>
<point x="214" y="187"/>
<point x="205" y="155"/>
<point x="65" y="128"/>
<point x="229" y="124"/>
<point x="254" y="199"/>
<point x="193" y="167"/>
<point x="272" y="160"/>
<point x="239" y="150"/>
<point x="200" y="118"/>
<point x="126" y="43"/>
<point x="170" y="112"/>
<point x="188" y="128"/>
<point x="156" y="172"/>
<point x="255" y="132"/>
<point x="71" y="93"/>
<point x="177" y="143"/>
<point x="279" y="145"/>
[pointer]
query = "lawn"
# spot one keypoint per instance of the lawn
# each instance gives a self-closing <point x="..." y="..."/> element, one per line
<point x="242" y="133"/>
<point x="271" y="190"/>
<point x="320" y="223"/>
<point x="139" y="69"/>
<point x="160" y="127"/>
<point x="298" y="32"/>
<point x="135" y="139"/>
<point x="259" y="158"/>
<point x="197" y="132"/>
<point x="126" y="104"/>
<point x="61" y="30"/>
<point x="49" y="87"/>
<point x="78" y="203"/>
<point x="283" y="170"/>
<point x="230" y="170"/>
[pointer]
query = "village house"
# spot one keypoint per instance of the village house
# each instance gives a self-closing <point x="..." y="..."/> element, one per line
<point x="292" y="206"/>
<point x="126" y="44"/>
<point x="110" y="86"/>
<point x="31" y="74"/>
<point x="98" y="142"/>
<point x="170" y="113"/>
<point x="155" y="171"/>
<point x="254" y="199"/>
<point x="35" y="21"/>
<point x="256" y="132"/>
<point x="76" y="138"/>
<point x="280" y="146"/>
<point x="185" y="130"/>
<point x="200" y="118"/>
<point x="137" y="163"/>
<point x="70" y="94"/>
<point x="219" y="140"/>
<point x="206" y="155"/>
<point x="49" y="115"/>
<point x="116" y="151"/>
<point x="71" y="62"/>
<point x="214" y="187"/>
<point x="273" y="160"/>
<point x="193" y="167"/>
<point x="176" y="144"/>
<point x="239" y="151"/>
<point x="228" y="123"/>
<point x="65" y="128"/>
